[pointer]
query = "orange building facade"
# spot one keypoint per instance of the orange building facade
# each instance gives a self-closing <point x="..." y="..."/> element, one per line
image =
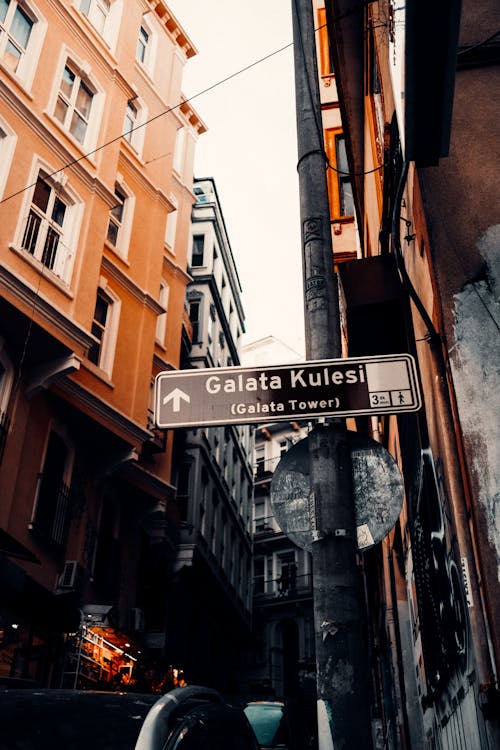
<point x="97" y="147"/>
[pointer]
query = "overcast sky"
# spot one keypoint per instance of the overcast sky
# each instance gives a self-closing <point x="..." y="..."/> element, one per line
<point x="250" y="149"/>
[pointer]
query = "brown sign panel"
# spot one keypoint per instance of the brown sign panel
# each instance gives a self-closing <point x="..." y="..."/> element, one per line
<point x="242" y="395"/>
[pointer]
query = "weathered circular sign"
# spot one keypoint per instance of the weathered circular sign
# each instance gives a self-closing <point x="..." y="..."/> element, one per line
<point x="377" y="489"/>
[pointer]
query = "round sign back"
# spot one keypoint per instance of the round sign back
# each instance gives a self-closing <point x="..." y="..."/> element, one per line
<point x="377" y="489"/>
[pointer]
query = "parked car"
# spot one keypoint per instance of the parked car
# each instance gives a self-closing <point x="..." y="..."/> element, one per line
<point x="43" y="719"/>
<point x="276" y="725"/>
<point x="195" y="718"/>
<point x="188" y="718"/>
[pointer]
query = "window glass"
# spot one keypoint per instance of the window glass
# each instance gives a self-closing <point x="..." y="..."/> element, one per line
<point x="99" y="326"/>
<point x="116" y="217"/>
<point x="74" y="104"/>
<point x="142" y="45"/>
<point x="44" y="228"/>
<point x="15" y="31"/>
<point x="198" y="248"/>
<point x="130" y="121"/>
<point x="97" y="12"/>
<point x="345" y="185"/>
<point x="161" y="321"/>
<point x="194" y="316"/>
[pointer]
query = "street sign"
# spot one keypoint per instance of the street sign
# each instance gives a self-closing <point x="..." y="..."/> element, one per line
<point x="377" y="489"/>
<point x="241" y="395"/>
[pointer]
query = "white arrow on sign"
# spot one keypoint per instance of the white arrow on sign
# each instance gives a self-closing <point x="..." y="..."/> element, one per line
<point x="176" y="396"/>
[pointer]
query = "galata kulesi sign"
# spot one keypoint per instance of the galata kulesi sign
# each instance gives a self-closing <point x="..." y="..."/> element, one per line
<point x="241" y="395"/>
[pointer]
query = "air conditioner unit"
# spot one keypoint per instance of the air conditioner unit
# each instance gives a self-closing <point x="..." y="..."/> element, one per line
<point x="137" y="620"/>
<point x="71" y="579"/>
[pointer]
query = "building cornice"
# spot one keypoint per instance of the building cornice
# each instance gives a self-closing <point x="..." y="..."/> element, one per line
<point x="177" y="270"/>
<point x="103" y="412"/>
<point x="34" y="300"/>
<point x="56" y="147"/>
<point x="173" y="27"/>
<point x="134" y="289"/>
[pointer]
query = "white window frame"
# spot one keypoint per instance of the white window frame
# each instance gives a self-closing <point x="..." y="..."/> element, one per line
<point x="171" y="225"/>
<point x="83" y="71"/>
<point x="97" y="11"/>
<point x="109" y="338"/>
<point x="161" y="321"/>
<point x="8" y="140"/>
<point x="62" y="268"/>
<point x="125" y="222"/>
<point x="180" y="149"/>
<point x="111" y="27"/>
<point x="134" y="129"/>
<point x="70" y="101"/>
<point x="147" y="61"/>
<point x="28" y="61"/>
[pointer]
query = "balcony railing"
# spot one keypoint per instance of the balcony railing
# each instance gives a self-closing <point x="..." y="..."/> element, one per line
<point x="276" y="588"/>
<point x="51" y="517"/>
<point x="268" y="525"/>
<point x="265" y="466"/>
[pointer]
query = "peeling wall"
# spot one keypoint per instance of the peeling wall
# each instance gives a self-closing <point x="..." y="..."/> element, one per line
<point x="475" y="360"/>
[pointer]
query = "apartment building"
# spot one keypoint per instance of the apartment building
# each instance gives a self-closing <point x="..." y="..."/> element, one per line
<point x="96" y="164"/>
<point x="209" y="601"/>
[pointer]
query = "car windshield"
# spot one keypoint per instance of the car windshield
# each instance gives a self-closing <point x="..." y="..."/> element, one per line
<point x="266" y="722"/>
<point x="50" y="719"/>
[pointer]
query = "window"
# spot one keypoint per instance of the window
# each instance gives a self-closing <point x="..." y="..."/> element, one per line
<point x="74" y="103"/>
<point x="345" y="186"/>
<point x="130" y="123"/>
<point x="171" y="228"/>
<point x="211" y="324"/>
<point x="116" y="217"/>
<point x="134" y="124"/>
<point x="104" y="328"/>
<point x="180" y="143"/>
<point x="161" y="321"/>
<point x="52" y="502"/>
<point x="143" y="45"/>
<point x="339" y="180"/>
<point x="198" y="250"/>
<point x="194" y="317"/>
<point x="120" y="220"/>
<point x="7" y="145"/>
<point x="46" y="234"/>
<point x="15" y="30"/>
<point x="97" y="12"/>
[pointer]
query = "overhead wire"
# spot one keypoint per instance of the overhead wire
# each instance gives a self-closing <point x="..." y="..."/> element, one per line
<point x="174" y="107"/>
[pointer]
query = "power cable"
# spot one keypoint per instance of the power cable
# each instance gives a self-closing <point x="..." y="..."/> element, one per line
<point x="184" y="101"/>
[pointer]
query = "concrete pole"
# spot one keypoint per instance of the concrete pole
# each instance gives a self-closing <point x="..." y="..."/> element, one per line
<point x="342" y="684"/>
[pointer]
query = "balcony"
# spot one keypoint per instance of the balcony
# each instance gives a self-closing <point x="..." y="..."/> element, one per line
<point x="266" y="527"/>
<point x="276" y="590"/>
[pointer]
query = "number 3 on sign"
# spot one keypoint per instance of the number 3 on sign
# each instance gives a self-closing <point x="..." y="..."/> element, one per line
<point x="379" y="399"/>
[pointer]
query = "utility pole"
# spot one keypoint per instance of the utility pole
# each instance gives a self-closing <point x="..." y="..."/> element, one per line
<point x="342" y="681"/>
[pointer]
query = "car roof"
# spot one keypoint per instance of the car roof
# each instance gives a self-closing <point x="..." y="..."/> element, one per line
<point x="44" y="719"/>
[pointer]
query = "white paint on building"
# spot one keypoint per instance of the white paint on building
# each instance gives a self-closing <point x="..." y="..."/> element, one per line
<point x="476" y="374"/>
